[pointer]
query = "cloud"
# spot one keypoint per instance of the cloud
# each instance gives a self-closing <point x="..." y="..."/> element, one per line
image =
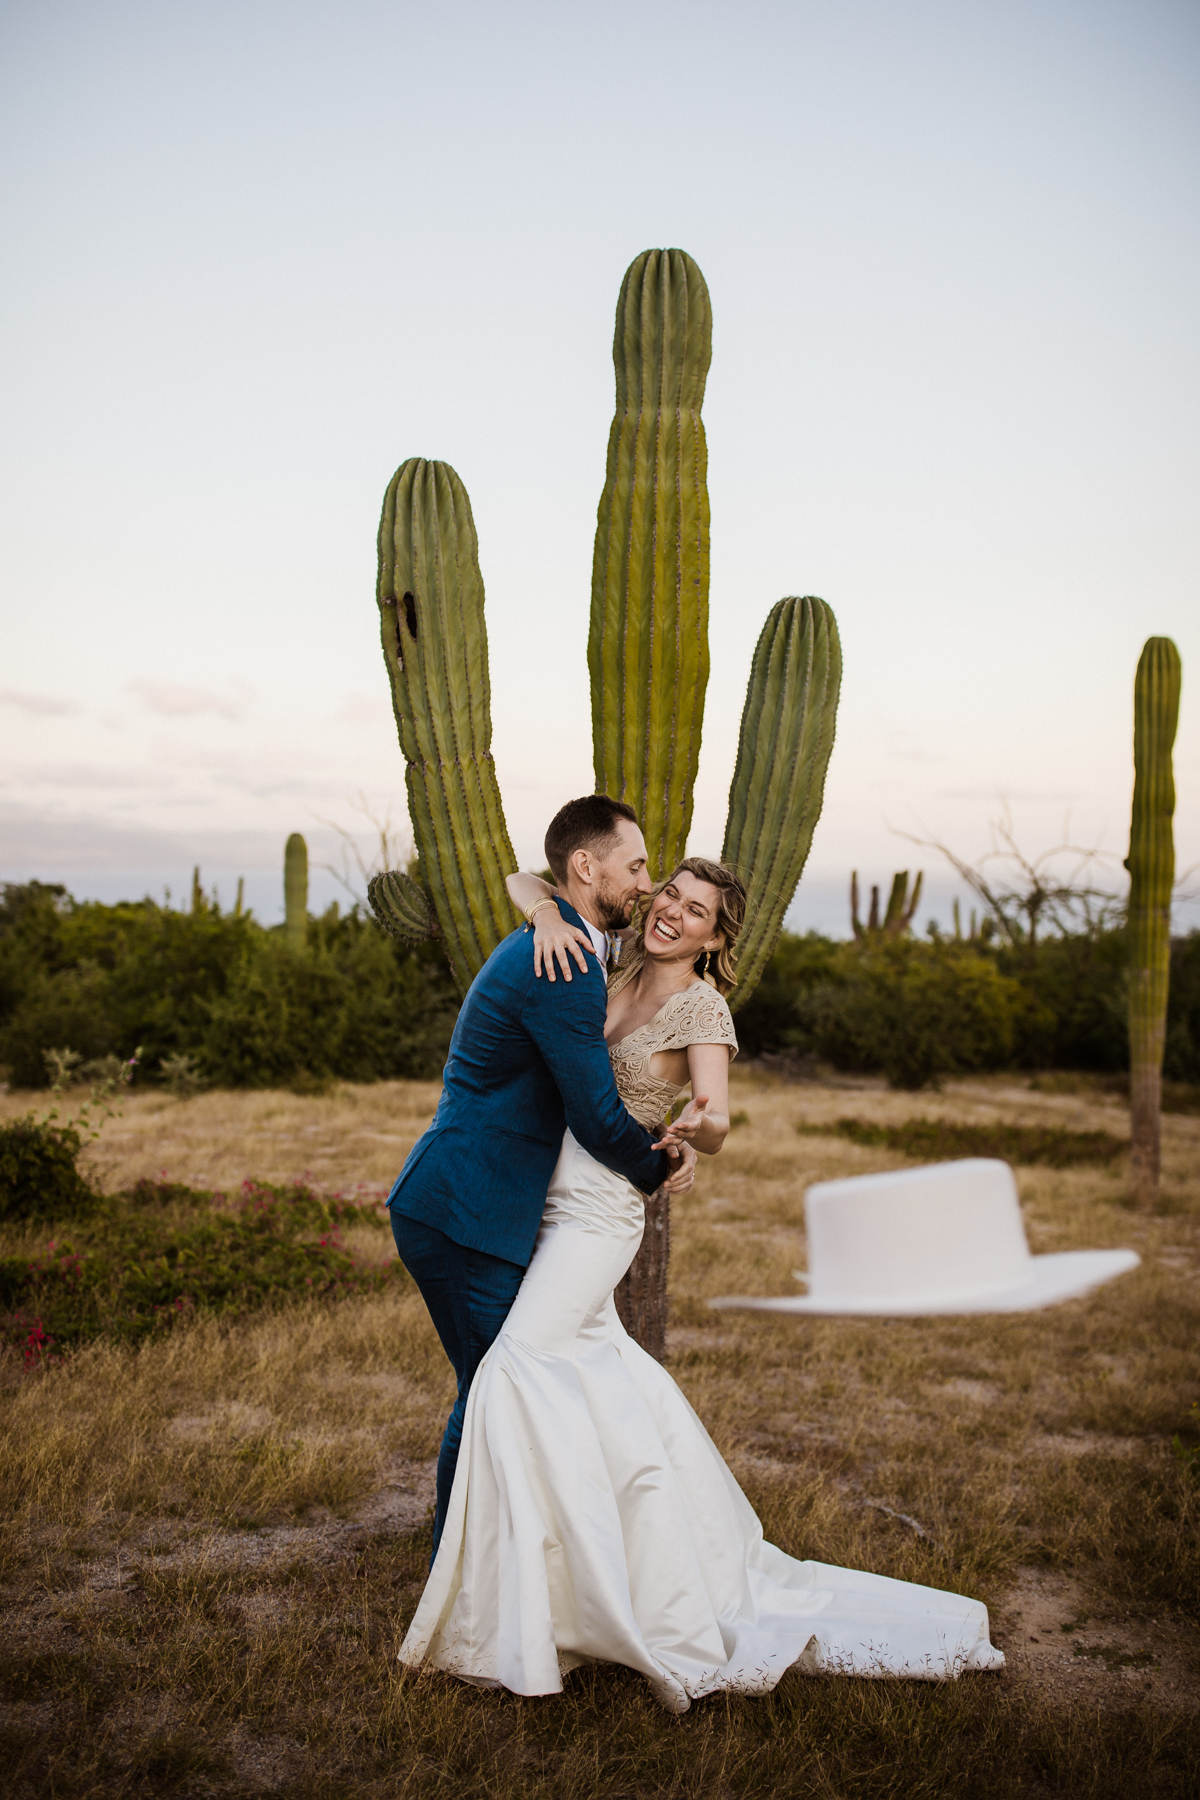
<point x="46" y="705"/>
<point x="173" y="700"/>
<point x="274" y="776"/>
<point x="59" y="846"/>
<point x="360" y="707"/>
<point x="89" y="775"/>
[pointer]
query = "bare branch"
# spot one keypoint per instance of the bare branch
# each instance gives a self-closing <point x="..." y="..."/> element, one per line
<point x="1026" y="895"/>
<point x="393" y="849"/>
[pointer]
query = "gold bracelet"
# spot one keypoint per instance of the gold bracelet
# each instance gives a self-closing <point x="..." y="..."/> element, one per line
<point x="546" y="900"/>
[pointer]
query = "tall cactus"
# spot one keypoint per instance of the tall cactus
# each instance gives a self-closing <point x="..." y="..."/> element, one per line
<point x="430" y="595"/>
<point x="779" y="777"/>
<point x="648" y="636"/>
<point x="295" y="891"/>
<point x="647" y="656"/>
<point x="1151" y="865"/>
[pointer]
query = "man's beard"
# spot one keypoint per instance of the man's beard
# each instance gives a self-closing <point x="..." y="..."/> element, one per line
<point x="615" y="911"/>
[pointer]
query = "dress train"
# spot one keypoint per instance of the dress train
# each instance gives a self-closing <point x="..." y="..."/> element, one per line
<point x="592" y="1517"/>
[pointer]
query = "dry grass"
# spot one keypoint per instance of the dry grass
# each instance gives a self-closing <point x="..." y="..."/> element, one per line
<point x="350" y="1137"/>
<point x="216" y="1540"/>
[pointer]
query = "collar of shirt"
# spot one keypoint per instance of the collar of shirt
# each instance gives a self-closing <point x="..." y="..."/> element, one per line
<point x="599" y="942"/>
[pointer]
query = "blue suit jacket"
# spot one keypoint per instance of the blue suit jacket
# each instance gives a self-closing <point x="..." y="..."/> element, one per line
<point x="527" y="1059"/>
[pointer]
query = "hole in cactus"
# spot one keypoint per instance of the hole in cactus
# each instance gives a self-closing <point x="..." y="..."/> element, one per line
<point x="410" y="614"/>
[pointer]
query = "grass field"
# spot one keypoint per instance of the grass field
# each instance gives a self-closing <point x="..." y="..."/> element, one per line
<point x="214" y="1539"/>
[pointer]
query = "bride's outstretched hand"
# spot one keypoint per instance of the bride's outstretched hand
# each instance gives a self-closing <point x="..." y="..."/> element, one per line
<point x="555" y="939"/>
<point x="685" y="1127"/>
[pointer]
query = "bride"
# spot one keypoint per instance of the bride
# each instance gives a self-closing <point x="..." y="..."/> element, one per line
<point x="591" y="1517"/>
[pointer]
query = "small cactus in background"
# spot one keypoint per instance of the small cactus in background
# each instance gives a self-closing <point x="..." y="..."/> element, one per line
<point x="976" y="932"/>
<point x="648" y="635"/>
<point x="901" y="908"/>
<point x="238" y="903"/>
<point x="295" y="891"/>
<point x="1151" y="865"/>
<point x="430" y="597"/>
<point x="198" y="901"/>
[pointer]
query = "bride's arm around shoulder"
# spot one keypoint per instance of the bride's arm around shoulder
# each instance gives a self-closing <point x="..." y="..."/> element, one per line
<point x="553" y="936"/>
<point x="526" y="890"/>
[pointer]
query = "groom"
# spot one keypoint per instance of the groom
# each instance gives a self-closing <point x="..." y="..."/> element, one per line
<point x="527" y="1059"/>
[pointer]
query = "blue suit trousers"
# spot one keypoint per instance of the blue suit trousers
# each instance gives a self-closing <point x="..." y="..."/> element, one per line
<point x="468" y="1293"/>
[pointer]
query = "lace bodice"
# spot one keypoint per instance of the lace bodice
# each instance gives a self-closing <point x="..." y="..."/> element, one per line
<point x="698" y="1015"/>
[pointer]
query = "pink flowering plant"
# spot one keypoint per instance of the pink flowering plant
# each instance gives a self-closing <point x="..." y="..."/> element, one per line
<point x="140" y="1262"/>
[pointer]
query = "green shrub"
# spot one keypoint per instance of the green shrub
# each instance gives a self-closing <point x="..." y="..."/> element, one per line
<point x="180" y="1075"/>
<point x="1076" y="1011"/>
<point x="1181" y="1061"/>
<point x="31" y="915"/>
<point x="39" y="1177"/>
<point x="223" y="993"/>
<point x="163" y="1252"/>
<point x="216" y="988"/>
<point x="769" y="1021"/>
<point x="914" y="1012"/>
<point x="353" y="1006"/>
<point x="64" y="1007"/>
<point x="919" y="1010"/>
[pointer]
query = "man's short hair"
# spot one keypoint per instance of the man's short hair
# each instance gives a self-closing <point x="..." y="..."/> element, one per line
<point x="587" y="824"/>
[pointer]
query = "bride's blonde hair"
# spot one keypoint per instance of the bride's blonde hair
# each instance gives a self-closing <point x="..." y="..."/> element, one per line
<point x="718" y="967"/>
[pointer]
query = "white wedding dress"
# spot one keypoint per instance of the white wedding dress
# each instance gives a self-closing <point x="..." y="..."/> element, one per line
<point x="592" y="1518"/>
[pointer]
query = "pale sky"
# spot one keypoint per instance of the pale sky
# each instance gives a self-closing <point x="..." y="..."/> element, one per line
<point x="260" y="254"/>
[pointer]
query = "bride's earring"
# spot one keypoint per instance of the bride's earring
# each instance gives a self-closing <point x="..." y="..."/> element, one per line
<point x="707" y="960"/>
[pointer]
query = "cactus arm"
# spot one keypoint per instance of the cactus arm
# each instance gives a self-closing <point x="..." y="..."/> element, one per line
<point x="430" y="596"/>
<point x="779" y="779"/>
<point x="916" y="895"/>
<point x="915" y="900"/>
<point x="295" y="891"/>
<point x="1151" y="865"/>
<point x="902" y="905"/>
<point x="648" y="633"/>
<point x="402" y="906"/>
